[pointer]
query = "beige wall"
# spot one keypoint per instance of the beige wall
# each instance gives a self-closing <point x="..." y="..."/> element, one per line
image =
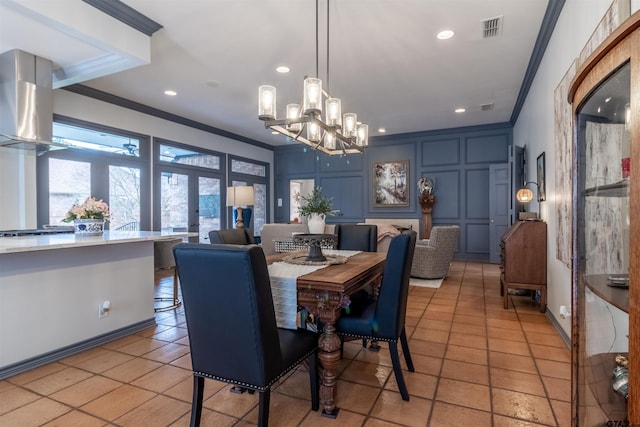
<point x="535" y="130"/>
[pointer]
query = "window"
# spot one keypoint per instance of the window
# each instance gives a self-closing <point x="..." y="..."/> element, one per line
<point x="248" y="168"/>
<point x="101" y="162"/>
<point x="90" y="139"/>
<point x="114" y="165"/>
<point x="250" y="172"/>
<point x="69" y="183"/>
<point x="179" y="155"/>
<point x="188" y="189"/>
<point x="124" y="197"/>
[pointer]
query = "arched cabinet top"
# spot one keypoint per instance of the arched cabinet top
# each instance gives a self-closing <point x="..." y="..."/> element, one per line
<point x="607" y="46"/>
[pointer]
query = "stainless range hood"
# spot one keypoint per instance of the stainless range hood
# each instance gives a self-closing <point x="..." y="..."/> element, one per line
<point x="26" y="101"/>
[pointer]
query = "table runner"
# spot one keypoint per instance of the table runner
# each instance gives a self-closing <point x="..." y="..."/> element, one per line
<point x="283" y="278"/>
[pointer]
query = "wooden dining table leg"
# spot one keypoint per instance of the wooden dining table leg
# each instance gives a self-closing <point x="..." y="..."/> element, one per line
<point x="326" y="306"/>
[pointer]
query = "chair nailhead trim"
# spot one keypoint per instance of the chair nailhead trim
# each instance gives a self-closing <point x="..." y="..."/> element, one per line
<point x="368" y="337"/>
<point x="252" y="386"/>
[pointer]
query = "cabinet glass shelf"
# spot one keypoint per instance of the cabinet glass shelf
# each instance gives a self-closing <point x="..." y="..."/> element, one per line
<point x="599" y="285"/>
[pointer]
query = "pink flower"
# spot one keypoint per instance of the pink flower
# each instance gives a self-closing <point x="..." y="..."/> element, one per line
<point x="89" y="209"/>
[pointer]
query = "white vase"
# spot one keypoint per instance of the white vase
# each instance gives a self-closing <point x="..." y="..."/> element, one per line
<point x="88" y="227"/>
<point x="315" y="222"/>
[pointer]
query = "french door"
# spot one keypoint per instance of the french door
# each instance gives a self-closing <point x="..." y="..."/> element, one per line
<point x="188" y="200"/>
<point x="243" y="171"/>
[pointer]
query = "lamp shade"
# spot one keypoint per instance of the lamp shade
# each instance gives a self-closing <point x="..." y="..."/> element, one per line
<point x="240" y="196"/>
<point x="333" y="112"/>
<point x="349" y="123"/>
<point x="293" y="112"/>
<point x="312" y="96"/>
<point x="330" y="141"/>
<point x="266" y="102"/>
<point x="314" y="132"/>
<point x="362" y="135"/>
<point x="524" y="195"/>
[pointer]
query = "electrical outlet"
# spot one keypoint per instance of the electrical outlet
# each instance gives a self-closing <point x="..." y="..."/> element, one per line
<point x="104" y="308"/>
<point x="564" y="312"/>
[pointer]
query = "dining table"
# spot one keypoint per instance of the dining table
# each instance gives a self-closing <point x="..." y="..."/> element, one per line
<point x="324" y="293"/>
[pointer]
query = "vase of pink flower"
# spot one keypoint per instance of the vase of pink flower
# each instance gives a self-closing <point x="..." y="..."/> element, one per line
<point x="89" y="217"/>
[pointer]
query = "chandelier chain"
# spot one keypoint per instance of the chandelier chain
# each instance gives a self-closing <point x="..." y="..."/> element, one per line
<point x="337" y="133"/>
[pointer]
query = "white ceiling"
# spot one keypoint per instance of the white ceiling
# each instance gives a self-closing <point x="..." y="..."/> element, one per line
<point x="385" y="61"/>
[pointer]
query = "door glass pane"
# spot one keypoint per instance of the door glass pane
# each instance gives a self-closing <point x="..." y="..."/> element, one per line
<point x="602" y="241"/>
<point x="208" y="206"/>
<point x="69" y="183"/>
<point x="124" y="198"/>
<point x="174" y="202"/>
<point x="260" y="207"/>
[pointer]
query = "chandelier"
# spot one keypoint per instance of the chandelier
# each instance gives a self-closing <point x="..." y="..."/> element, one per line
<point x="337" y="134"/>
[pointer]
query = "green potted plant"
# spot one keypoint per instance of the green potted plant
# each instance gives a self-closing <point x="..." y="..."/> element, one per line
<point x="315" y="206"/>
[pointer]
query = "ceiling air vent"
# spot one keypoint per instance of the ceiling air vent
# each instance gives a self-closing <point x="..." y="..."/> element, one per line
<point x="486" y="107"/>
<point x="492" y="27"/>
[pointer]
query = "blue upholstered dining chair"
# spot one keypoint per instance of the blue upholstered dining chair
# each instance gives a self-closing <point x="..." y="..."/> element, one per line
<point x="232" y="324"/>
<point x="232" y="236"/>
<point x="357" y="237"/>
<point x="383" y="319"/>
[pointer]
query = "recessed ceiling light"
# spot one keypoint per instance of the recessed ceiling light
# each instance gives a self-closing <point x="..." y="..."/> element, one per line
<point x="607" y="99"/>
<point x="282" y="69"/>
<point x="382" y="130"/>
<point x="273" y="132"/>
<point x="460" y="110"/>
<point x="446" y="34"/>
<point x="170" y="92"/>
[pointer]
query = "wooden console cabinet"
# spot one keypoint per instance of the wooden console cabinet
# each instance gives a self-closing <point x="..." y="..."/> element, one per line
<point x="523" y="260"/>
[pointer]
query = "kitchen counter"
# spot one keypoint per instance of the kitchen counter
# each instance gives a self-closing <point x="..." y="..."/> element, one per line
<point x="52" y="285"/>
<point x="70" y="240"/>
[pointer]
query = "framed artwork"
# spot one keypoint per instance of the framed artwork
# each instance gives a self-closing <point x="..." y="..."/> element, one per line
<point x="542" y="186"/>
<point x="390" y="183"/>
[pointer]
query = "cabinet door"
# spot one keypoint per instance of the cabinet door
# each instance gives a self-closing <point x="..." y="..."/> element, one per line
<point x="603" y="245"/>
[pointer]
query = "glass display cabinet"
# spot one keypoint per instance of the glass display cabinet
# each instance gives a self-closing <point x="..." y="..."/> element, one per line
<point x="605" y="95"/>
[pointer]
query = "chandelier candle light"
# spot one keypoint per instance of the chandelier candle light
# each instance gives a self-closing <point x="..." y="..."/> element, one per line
<point x="336" y="134"/>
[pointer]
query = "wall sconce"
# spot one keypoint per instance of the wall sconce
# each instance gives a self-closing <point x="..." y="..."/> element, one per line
<point x="525" y="196"/>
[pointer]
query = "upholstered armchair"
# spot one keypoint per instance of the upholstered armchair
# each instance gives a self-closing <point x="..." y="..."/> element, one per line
<point x="433" y="256"/>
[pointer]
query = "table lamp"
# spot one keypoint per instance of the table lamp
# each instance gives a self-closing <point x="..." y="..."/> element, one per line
<point x="238" y="197"/>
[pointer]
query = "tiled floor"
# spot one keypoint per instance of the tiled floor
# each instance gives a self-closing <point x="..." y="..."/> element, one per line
<point x="476" y="364"/>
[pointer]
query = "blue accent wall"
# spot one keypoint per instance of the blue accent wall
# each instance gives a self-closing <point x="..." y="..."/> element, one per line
<point x="458" y="159"/>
